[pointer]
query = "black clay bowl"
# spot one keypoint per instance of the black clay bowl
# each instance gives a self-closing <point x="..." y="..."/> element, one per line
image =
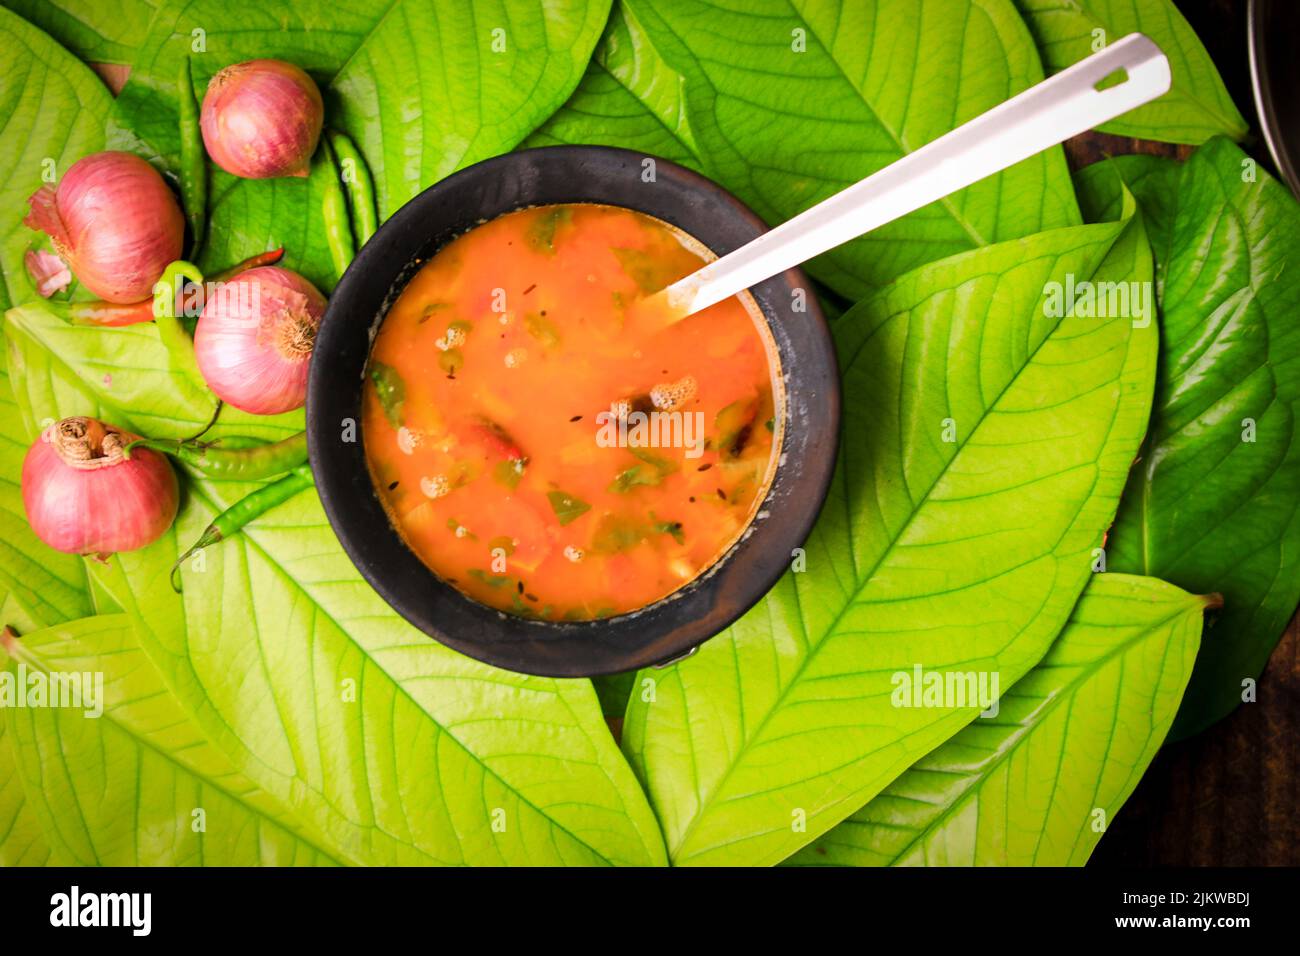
<point x="675" y="625"/>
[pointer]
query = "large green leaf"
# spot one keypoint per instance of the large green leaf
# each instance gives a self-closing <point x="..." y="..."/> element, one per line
<point x="1038" y="784"/>
<point x="52" y="111"/>
<point x="1213" y="506"/>
<point x="21" y="841"/>
<point x="960" y="555"/>
<point x="1196" y="107"/>
<point x="137" y="785"/>
<point x="497" y="69"/>
<point x="247" y="216"/>
<point x="613" y="690"/>
<point x="54" y="365"/>
<point x="98" y="31"/>
<point x="392" y="746"/>
<point x="419" y="85"/>
<point x="603" y="112"/>
<point x="788" y="101"/>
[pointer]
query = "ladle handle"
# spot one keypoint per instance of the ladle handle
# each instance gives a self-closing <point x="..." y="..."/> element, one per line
<point x="1108" y="84"/>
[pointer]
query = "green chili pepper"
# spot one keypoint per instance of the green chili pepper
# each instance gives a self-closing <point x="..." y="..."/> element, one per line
<point x="244" y="510"/>
<point x="168" y="287"/>
<point x="166" y="292"/>
<point x="172" y="333"/>
<point x="541" y="234"/>
<point x="338" y="226"/>
<point x="236" y="442"/>
<point x="233" y="458"/>
<point x="194" y="167"/>
<point x="115" y="314"/>
<point x="391" y="391"/>
<point x="360" y="186"/>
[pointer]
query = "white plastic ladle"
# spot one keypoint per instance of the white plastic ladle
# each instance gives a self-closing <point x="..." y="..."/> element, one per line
<point x="1122" y="77"/>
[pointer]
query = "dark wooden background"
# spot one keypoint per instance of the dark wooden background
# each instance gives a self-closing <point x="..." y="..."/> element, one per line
<point x="1228" y="796"/>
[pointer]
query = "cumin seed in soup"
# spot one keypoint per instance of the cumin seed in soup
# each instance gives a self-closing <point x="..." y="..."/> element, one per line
<point x="550" y="445"/>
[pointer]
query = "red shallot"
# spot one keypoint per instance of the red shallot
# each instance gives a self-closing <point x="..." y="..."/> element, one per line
<point x="115" y="223"/>
<point x="254" y="339"/>
<point x="262" y="119"/>
<point x="49" y="273"/>
<point x="83" y="495"/>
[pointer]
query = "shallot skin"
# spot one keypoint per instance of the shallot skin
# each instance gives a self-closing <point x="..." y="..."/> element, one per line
<point x="114" y="221"/>
<point x="262" y="119"/>
<point x="99" y="504"/>
<point x="254" y="339"/>
<point x="48" y="272"/>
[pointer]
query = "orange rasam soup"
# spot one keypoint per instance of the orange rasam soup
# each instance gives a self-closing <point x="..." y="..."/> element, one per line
<point x="550" y="445"/>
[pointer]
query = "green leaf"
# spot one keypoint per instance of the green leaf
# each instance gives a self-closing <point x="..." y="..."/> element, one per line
<point x="502" y="67"/>
<point x="651" y="470"/>
<point x="671" y="528"/>
<point x="248" y="216"/>
<point x="1213" y="504"/>
<point x="509" y="472"/>
<point x="616" y="533"/>
<point x="541" y="235"/>
<point x="419" y="87"/>
<point x="542" y="329"/>
<point x="394" y="748"/>
<point x="965" y="554"/>
<point x="124" y="788"/>
<point x="1070" y="741"/>
<point x="1196" y="107"/>
<point x="391" y="391"/>
<point x="603" y="112"/>
<point x="21" y="841"/>
<point x="52" y="111"/>
<point x="122" y="375"/>
<point x="97" y="31"/>
<point x="566" y="507"/>
<point x="614" y="691"/>
<point x="786" y="102"/>
<point x="649" y="272"/>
